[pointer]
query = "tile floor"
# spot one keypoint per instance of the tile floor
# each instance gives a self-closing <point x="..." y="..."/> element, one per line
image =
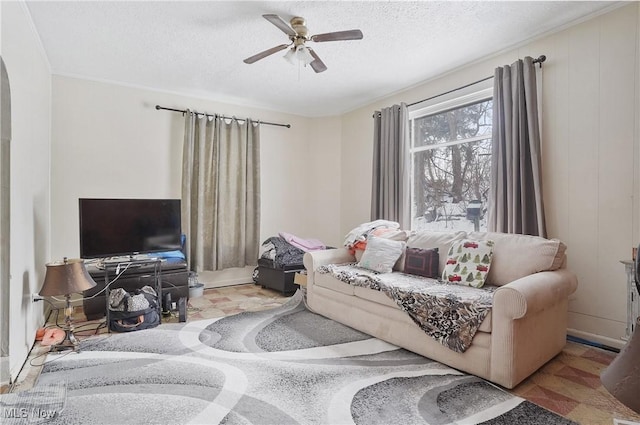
<point x="568" y="385"/>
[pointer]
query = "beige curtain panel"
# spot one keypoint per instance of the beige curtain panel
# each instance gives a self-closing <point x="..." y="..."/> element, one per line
<point x="516" y="170"/>
<point x="390" y="182"/>
<point x="221" y="192"/>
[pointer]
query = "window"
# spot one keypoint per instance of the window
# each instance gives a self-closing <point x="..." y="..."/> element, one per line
<point x="451" y="163"/>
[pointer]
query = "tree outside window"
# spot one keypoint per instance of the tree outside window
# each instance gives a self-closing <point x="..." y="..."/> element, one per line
<point x="451" y="165"/>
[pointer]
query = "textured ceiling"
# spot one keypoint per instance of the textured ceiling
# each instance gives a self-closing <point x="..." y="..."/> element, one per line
<point x="197" y="48"/>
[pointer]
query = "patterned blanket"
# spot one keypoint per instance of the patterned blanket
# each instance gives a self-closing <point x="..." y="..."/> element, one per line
<point x="449" y="313"/>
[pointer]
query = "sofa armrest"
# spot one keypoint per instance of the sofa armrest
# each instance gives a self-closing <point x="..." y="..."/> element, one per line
<point x="533" y="293"/>
<point x="529" y="324"/>
<point x="314" y="259"/>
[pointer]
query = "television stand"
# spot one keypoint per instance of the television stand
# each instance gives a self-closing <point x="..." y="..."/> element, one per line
<point x="173" y="276"/>
<point x="156" y="263"/>
<point x="127" y="260"/>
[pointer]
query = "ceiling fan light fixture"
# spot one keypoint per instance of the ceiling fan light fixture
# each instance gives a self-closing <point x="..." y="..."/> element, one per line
<point x="299" y="53"/>
<point x="298" y="34"/>
<point x="304" y="55"/>
<point x="290" y="56"/>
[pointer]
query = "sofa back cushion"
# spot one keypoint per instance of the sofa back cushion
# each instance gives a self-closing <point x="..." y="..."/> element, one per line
<point x="431" y="239"/>
<point x="516" y="256"/>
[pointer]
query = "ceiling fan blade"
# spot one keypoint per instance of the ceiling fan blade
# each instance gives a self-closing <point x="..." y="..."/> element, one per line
<point x="317" y="65"/>
<point x="338" y="36"/>
<point x="280" y="23"/>
<point x="266" y="53"/>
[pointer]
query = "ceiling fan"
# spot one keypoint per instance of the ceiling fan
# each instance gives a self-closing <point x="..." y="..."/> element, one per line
<point x="299" y="35"/>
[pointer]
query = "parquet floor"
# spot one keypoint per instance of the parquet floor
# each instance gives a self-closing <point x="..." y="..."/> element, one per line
<point x="568" y="385"/>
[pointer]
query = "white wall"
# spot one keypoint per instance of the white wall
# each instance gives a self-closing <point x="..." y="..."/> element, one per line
<point x="109" y="141"/>
<point x="30" y="80"/>
<point x="590" y="139"/>
<point x="323" y="165"/>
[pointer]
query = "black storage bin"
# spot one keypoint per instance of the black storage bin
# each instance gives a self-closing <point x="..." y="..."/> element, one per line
<point x="278" y="278"/>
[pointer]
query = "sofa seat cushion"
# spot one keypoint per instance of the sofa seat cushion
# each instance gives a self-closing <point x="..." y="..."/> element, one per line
<point x="380" y="297"/>
<point x="375" y="296"/>
<point x="451" y="314"/>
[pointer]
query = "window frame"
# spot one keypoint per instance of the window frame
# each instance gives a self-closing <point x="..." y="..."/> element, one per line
<point x="435" y="107"/>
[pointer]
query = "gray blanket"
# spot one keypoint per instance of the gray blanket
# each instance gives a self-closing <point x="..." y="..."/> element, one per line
<point x="449" y="313"/>
<point x="281" y="252"/>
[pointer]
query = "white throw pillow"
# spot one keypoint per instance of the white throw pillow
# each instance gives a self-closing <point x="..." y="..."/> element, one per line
<point x="381" y="254"/>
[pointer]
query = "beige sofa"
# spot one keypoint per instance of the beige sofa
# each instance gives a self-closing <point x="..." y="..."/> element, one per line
<point x="525" y="328"/>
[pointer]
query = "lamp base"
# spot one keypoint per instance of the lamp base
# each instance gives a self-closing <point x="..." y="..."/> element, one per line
<point x="68" y="343"/>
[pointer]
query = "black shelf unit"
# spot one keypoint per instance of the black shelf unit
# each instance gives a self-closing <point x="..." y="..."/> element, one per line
<point x="155" y="264"/>
<point x="172" y="277"/>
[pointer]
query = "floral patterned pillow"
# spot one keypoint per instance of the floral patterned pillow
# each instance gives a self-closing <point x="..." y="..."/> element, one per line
<point x="468" y="262"/>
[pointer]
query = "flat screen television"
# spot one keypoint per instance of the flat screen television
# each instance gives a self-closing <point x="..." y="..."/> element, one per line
<point x="116" y="227"/>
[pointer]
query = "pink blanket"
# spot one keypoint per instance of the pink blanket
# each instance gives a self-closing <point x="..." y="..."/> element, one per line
<point x="303" y="244"/>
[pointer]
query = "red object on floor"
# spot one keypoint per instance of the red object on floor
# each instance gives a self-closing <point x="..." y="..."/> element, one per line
<point x="53" y="336"/>
<point x="40" y="334"/>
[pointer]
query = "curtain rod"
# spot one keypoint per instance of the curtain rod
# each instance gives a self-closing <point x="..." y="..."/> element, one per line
<point x="539" y="60"/>
<point x="184" y="111"/>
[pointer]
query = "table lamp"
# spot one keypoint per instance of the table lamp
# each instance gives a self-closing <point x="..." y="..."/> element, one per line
<point x="65" y="278"/>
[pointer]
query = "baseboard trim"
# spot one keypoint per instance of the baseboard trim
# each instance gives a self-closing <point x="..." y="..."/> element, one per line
<point x="227" y="282"/>
<point x="598" y="339"/>
<point x="227" y="277"/>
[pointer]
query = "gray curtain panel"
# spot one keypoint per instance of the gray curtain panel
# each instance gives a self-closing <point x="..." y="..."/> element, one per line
<point x="516" y="176"/>
<point x="221" y="192"/>
<point x="390" y="193"/>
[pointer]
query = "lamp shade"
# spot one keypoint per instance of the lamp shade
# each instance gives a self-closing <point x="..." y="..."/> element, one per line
<point x="66" y="277"/>
<point x="622" y="377"/>
<point x="304" y="55"/>
<point x="290" y="55"/>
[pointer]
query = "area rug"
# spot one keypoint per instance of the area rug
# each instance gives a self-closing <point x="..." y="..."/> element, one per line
<point x="35" y="406"/>
<point x="281" y="366"/>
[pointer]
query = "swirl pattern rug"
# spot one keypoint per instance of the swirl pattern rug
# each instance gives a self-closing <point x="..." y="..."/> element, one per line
<point x="281" y="366"/>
